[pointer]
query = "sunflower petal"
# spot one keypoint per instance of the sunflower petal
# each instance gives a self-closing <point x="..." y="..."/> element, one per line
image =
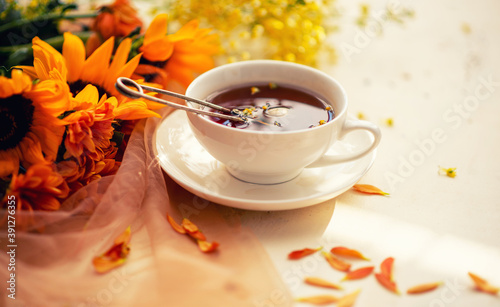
<point x="157" y="29"/>
<point x="158" y="51"/>
<point x="20" y="80"/>
<point x="180" y="74"/>
<point x="9" y="162"/>
<point x="6" y="87"/>
<point x="31" y="150"/>
<point x="52" y="95"/>
<point x="74" y="55"/>
<point x="48" y="59"/>
<point x="186" y="31"/>
<point x="97" y="63"/>
<point x="196" y="62"/>
<point x="134" y="109"/>
<point x="88" y="94"/>
<point x="120" y="58"/>
<point x="29" y="70"/>
<point x="40" y="69"/>
<point x="129" y="68"/>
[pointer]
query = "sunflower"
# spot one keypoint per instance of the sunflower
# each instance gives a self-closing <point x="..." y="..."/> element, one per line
<point x="73" y="67"/>
<point x="176" y="57"/>
<point x="40" y="188"/>
<point x="30" y="131"/>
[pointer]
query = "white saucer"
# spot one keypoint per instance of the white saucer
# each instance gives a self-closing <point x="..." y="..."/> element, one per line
<point x="186" y="162"/>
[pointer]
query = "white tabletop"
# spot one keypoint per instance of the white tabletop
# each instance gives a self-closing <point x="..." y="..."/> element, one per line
<point x="440" y="83"/>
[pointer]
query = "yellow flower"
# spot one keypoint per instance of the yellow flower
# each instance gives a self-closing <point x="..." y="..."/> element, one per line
<point x="73" y="67"/>
<point x="30" y="131"/>
<point x="176" y="57"/>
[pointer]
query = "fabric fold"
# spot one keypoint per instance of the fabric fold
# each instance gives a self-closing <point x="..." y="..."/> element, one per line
<point x="53" y="261"/>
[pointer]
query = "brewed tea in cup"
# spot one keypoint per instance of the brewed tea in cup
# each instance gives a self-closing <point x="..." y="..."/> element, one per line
<point x="293" y="114"/>
<point x="272" y="107"/>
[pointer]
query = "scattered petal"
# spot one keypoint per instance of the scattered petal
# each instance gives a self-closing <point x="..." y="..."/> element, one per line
<point x="387" y="283"/>
<point x="386" y="267"/>
<point x="302" y="253"/>
<point x="483" y="285"/>
<point x="207" y="247"/>
<point x="359" y="273"/>
<point x="116" y="255"/>
<point x="254" y="90"/>
<point x="315" y="281"/>
<point x="450" y="172"/>
<point x="368" y="189"/>
<point x="336" y="263"/>
<point x="346" y="252"/>
<point x="175" y="226"/>
<point x="189" y="228"/>
<point x="349" y="299"/>
<point x="424" y="287"/>
<point x="192" y="230"/>
<point x="318" y="299"/>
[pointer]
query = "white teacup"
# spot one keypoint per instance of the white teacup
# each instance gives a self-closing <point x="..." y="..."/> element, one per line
<point x="267" y="157"/>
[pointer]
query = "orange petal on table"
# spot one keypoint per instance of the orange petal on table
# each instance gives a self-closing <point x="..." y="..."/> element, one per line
<point x="197" y="235"/>
<point x="207" y="247"/>
<point x="103" y="265"/>
<point x="424" y="288"/>
<point x="315" y="281"/>
<point x="483" y="285"/>
<point x="189" y="226"/>
<point x="318" y="299"/>
<point x="359" y="273"/>
<point x="387" y="283"/>
<point x="349" y="299"/>
<point x="192" y="230"/>
<point x="386" y="267"/>
<point x="336" y="263"/>
<point x="368" y="189"/>
<point x="302" y="253"/>
<point x="115" y="255"/>
<point x="175" y="226"/>
<point x="347" y="252"/>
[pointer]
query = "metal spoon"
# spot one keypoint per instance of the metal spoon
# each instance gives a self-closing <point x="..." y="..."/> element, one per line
<point x="122" y="84"/>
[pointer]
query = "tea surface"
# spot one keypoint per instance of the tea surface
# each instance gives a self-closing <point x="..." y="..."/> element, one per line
<point x="272" y="107"/>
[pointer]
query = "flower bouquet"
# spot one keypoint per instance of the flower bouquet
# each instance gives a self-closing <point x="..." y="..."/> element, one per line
<point x="63" y="123"/>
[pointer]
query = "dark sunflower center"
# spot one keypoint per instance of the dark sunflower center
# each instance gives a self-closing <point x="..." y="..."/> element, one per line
<point x="149" y="77"/>
<point x="16" y="116"/>
<point x="77" y="86"/>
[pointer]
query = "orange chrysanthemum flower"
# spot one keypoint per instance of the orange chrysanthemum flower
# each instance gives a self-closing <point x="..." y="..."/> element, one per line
<point x="73" y="67"/>
<point x="117" y="19"/>
<point x="176" y="57"/>
<point x="30" y="131"/>
<point x="79" y="173"/>
<point x="89" y="128"/>
<point x="40" y="188"/>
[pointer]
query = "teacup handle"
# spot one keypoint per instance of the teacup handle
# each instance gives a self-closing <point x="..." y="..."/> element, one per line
<point x="349" y="126"/>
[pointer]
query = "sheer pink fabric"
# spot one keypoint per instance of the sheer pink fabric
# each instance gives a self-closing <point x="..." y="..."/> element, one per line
<point x="53" y="267"/>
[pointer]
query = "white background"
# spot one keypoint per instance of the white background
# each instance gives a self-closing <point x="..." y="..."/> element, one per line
<point x="428" y="75"/>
